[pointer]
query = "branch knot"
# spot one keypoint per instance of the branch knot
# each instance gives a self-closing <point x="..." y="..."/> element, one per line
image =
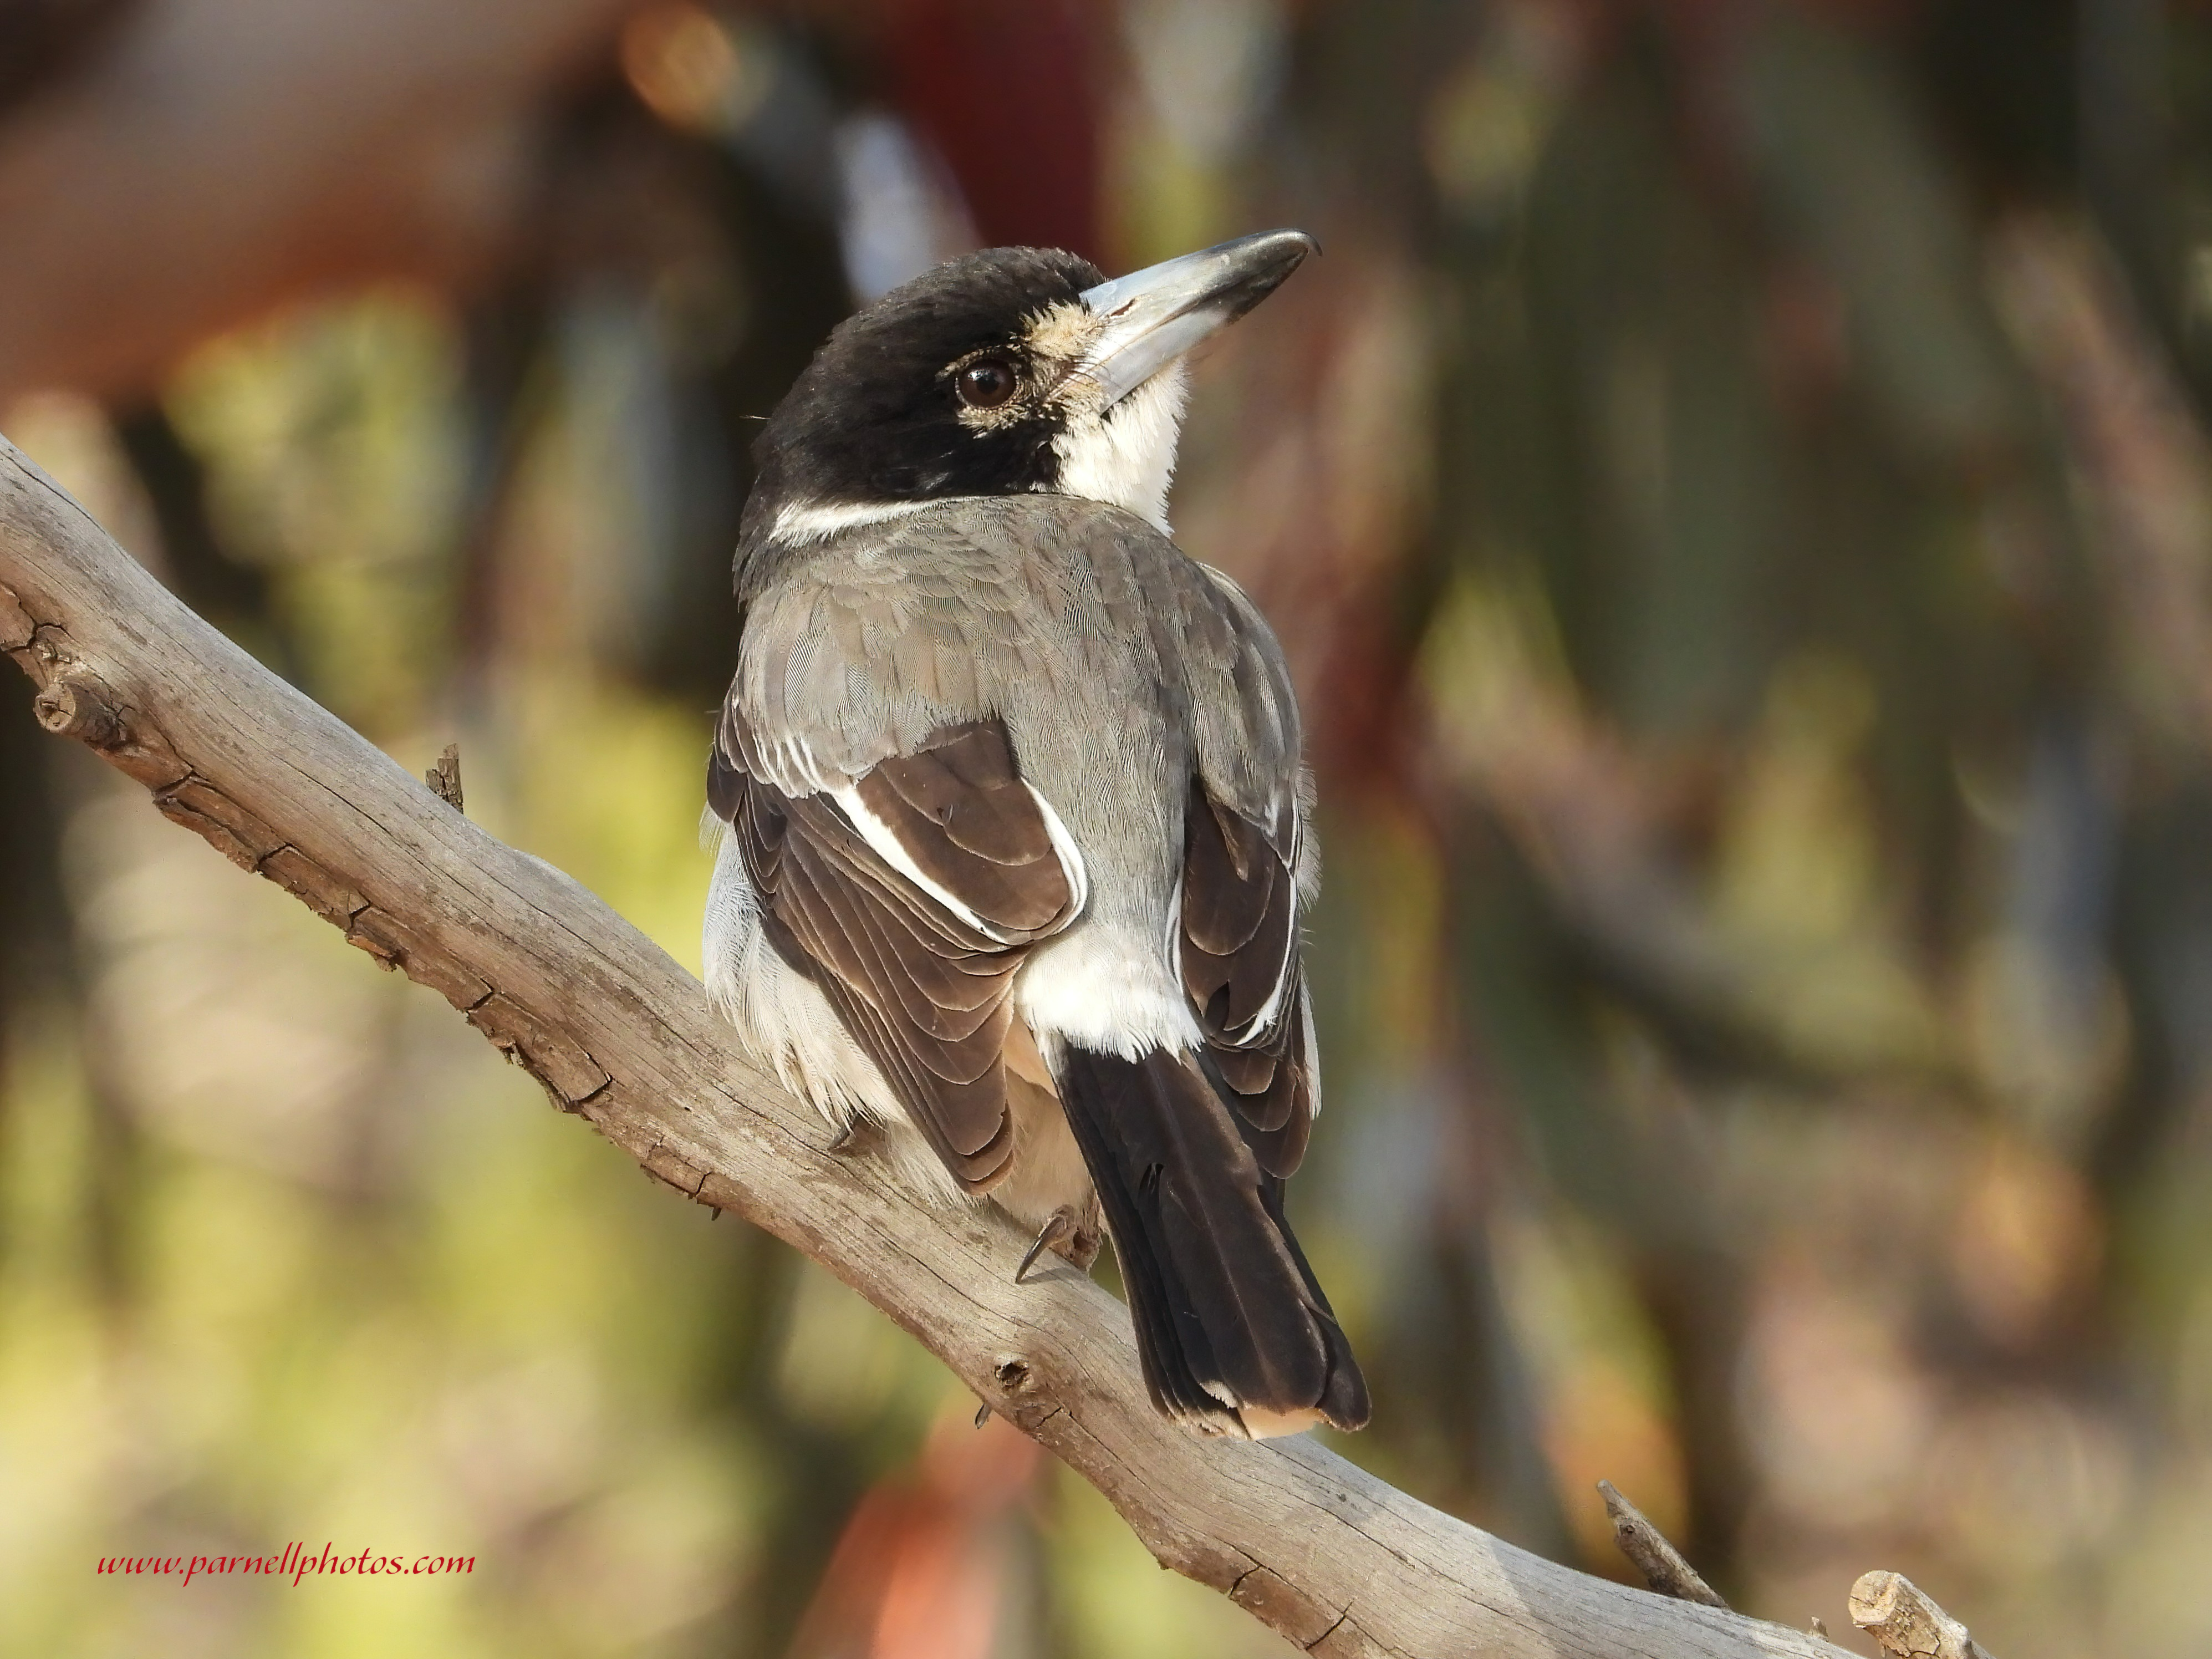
<point x="75" y="705"/>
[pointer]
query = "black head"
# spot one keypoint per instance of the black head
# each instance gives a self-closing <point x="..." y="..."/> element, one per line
<point x="936" y="390"/>
<point x="1010" y="370"/>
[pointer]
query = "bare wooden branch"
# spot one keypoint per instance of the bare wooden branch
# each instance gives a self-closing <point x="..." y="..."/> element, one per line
<point x="1333" y="1559"/>
<point x="1661" y="1564"/>
<point x="1903" y="1618"/>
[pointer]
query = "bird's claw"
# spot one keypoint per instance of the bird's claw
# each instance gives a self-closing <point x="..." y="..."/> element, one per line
<point x="860" y="1136"/>
<point x="1065" y="1232"/>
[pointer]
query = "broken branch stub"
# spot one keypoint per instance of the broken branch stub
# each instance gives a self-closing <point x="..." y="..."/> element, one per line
<point x="1905" y="1621"/>
<point x="1664" y="1566"/>
<point x="444" y="777"/>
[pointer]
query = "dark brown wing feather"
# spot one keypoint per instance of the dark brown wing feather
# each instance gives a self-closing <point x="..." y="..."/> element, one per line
<point x="922" y="988"/>
<point x="1238" y="955"/>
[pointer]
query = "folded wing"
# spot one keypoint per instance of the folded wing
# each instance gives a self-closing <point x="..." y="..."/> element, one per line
<point x="1238" y="954"/>
<point x="911" y="894"/>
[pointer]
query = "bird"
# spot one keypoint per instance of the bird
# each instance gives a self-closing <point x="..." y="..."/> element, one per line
<point x="1014" y="822"/>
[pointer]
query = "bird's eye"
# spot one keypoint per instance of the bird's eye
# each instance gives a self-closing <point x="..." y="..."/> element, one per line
<point x="986" y="383"/>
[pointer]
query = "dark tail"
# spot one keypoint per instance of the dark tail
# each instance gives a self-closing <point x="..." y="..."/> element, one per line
<point x="1234" y="1332"/>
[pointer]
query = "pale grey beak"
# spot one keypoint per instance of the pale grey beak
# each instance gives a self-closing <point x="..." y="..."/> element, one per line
<point x="1155" y="315"/>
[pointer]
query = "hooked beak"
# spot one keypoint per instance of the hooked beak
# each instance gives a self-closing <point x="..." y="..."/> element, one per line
<point x="1155" y="315"/>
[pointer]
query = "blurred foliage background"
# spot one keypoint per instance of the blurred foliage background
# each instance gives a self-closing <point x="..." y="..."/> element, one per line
<point x="1736" y="496"/>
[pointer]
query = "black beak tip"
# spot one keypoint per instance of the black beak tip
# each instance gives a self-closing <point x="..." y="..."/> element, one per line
<point x="1287" y="244"/>
<point x="1268" y="258"/>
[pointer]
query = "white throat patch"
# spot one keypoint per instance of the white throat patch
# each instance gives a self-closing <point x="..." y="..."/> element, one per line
<point x="1127" y="457"/>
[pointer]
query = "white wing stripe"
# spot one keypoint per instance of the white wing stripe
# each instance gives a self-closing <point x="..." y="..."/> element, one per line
<point x="1263" y="1019"/>
<point x="1064" y="847"/>
<point x="880" y="837"/>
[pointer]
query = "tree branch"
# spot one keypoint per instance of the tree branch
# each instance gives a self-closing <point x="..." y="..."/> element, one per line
<point x="1661" y="1564"/>
<point x="618" y="1034"/>
<point x="1905" y="1619"/>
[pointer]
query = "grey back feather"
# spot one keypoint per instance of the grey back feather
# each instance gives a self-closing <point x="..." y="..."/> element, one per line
<point x="1119" y="666"/>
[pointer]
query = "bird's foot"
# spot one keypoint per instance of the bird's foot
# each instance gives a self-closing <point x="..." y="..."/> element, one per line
<point x="1074" y="1237"/>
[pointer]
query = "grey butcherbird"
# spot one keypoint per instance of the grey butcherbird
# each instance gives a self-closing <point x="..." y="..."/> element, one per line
<point x="1015" y="843"/>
